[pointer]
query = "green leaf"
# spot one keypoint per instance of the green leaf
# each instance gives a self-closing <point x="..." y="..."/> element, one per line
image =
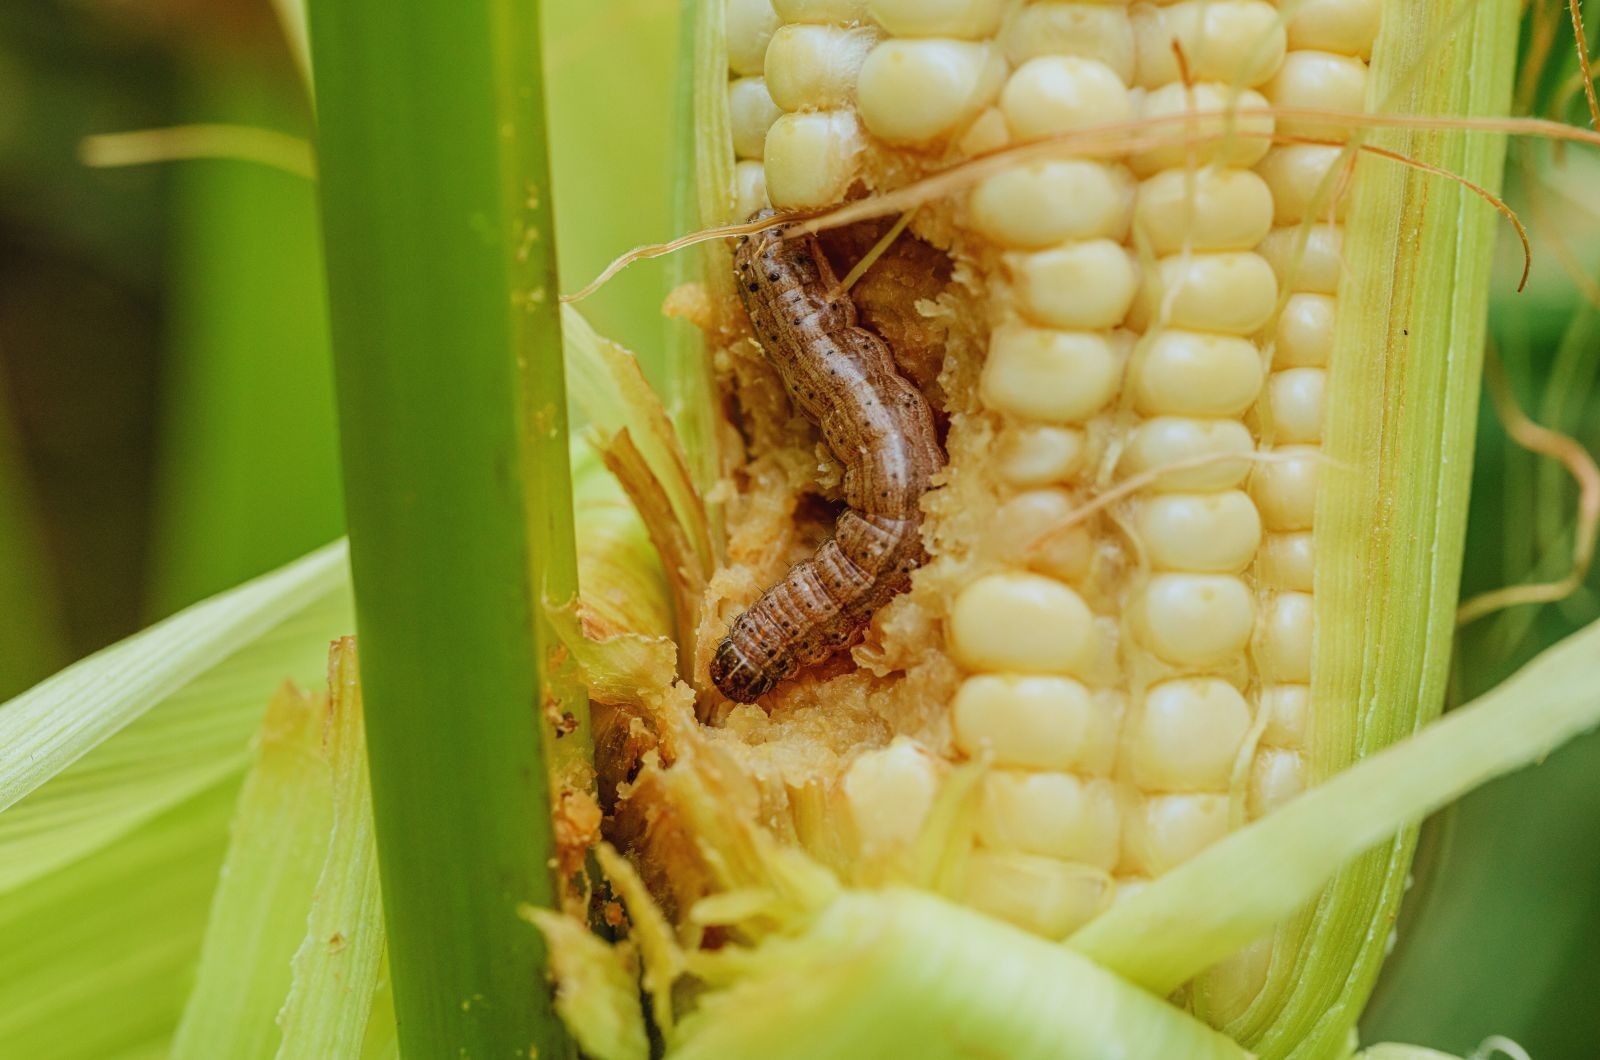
<point x="278" y="840"/>
<point x="184" y="697"/>
<point x="123" y="770"/>
<point x="98" y="954"/>
<point x="336" y="968"/>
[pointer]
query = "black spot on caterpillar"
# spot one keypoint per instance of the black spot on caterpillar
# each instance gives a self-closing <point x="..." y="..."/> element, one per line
<point x="880" y="428"/>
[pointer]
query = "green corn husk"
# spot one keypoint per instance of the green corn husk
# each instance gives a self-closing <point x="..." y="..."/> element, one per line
<point x="335" y="969"/>
<point x="277" y="842"/>
<point x="122" y="772"/>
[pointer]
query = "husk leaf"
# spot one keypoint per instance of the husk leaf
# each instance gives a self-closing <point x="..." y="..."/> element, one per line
<point x="336" y="967"/>
<point x="277" y="842"/>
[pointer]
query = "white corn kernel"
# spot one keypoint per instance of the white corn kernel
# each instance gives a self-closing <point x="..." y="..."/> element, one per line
<point x="1020" y="622"/>
<point x="987" y="133"/>
<point x="1288" y="561"/>
<point x="1090" y="30"/>
<point x="1056" y="94"/>
<point x="1090" y="284"/>
<point x="1034" y="529"/>
<point x="1285" y="488"/>
<point x="969" y="19"/>
<point x="1039" y="454"/>
<point x="1190" y="373"/>
<point x="1032" y="722"/>
<point x="1203" y="209"/>
<point x="1236" y="42"/>
<point x="1164" y="831"/>
<point x="1187" y="735"/>
<point x="1044" y="203"/>
<point x="750" y="24"/>
<point x="1161" y="442"/>
<point x="749" y="189"/>
<point x="1284" y="650"/>
<point x="1319" y="81"/>
<point x="1288" y="713"/>
<point x="751" y="113"/>
<point x="1305" y="331"/>
<point x="1221" y="131"/>
<point x="1276" y="776"/>
<point x="815" y="67"/>
<point x="1200" y="532"/>
<point x="1055" y="815"/>
<point x="1306" y="181"/>
<point x="1297" y="398"/>
<point x="1346" y="26"/>
<point x="889" y="792"/>
<point x="1196" y="619"/>
<point x="1048" y="897"/>
<point x="1306" y="261"/>
<point x="1050" y="375"/>
<point x="915" y="91"/>
<point x="811" y="158"/>
<point x="1232" y="292"/>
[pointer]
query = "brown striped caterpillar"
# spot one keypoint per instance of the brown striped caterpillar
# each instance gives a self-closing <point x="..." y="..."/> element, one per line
<point x="877" y="424"/>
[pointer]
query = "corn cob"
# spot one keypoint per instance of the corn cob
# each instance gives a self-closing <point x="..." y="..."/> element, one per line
<point x="1122" y="621"/>
<point x="1138" y="677"/>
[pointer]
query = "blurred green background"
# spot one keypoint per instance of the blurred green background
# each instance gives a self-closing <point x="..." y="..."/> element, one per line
<point x="166" y="423"/>
<point x="166" y="414"/>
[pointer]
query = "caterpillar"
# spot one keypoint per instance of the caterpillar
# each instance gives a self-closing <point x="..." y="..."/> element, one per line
<point x="843" y="378"/>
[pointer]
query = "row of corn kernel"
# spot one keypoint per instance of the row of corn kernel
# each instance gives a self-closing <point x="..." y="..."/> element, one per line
<point x="751" y="110"/>
<point x="1325" y="68"/>
<point x="794" y="124"/>
<point x="1050" y="829"/>
<point x="1328" y="41"/>
<point x="1197" y="371"/>
<point x="929" y="79"/>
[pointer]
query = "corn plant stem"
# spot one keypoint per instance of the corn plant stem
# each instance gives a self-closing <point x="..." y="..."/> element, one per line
<point x="437" y="226"/>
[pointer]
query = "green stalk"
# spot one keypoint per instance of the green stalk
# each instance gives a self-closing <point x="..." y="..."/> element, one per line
<point x="441" y="269"/>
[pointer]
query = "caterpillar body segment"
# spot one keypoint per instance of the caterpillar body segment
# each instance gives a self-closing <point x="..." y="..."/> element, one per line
<point x="880" y="428"/>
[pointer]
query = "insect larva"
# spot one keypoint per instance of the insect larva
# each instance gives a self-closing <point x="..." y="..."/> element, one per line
<point x="877" y="424"/>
